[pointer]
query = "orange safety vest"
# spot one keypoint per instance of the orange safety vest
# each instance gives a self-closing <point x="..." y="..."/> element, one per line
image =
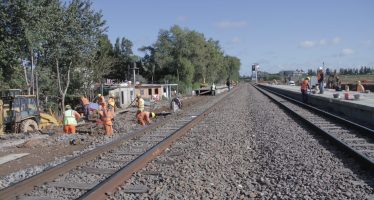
<point x="304" y="85"/>
<point x="106" y="116"/>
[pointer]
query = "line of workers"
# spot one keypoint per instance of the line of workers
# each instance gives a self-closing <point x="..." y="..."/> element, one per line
<point x="106" y="113"/>
<point x="320" y="86"/>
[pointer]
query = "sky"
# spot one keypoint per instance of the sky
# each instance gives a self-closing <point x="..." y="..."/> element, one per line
<point x="276" y="34"/>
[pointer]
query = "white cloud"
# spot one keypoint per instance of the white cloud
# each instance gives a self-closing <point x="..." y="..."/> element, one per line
<point x="182" y="18"/>
<point x="225" y="24"/>
<point x="346" y="52"/>
<point x="321" y="42"/>
<point x="235" y="40"/>
<point x="336" y="40"/>
<point x="308" y="44"/>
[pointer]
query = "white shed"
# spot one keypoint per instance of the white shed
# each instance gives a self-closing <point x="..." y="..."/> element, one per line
<point x="123" y="96"/>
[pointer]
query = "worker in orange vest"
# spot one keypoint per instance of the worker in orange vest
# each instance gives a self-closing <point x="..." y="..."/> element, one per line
<point x="100" y="99"/>
<point x="304" y="89"/>
<point x="85" y="103"/>
<point x="70" y="120"/>
<point x="106" y="117"/>
<point x="320" y="79"/>
<point x="144" y="117"/>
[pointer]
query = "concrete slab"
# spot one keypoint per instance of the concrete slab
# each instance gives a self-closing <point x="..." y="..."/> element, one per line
<point x="361" y="110"/>
<point x="11" y="157"/>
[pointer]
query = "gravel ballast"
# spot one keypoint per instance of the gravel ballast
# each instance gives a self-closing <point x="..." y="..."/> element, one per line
<point x="250" y="148"/>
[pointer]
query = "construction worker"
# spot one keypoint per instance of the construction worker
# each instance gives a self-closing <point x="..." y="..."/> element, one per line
<point x="70" y="120"/>
<point x="85" y="103"/>
<point x="228" y="83"/>
<point x="100" y="99"/>
<point x="111" y="103"/>
<point x="1" y="117"/>
<point x="144" y="117"/>
<point x="106" y="117"/>
<point x="360" y="87"/>
<point x="320" y="78"/>
<point x="304" y="89"/>
<point x="139" y="103"/>
<point x="213" y="89"/>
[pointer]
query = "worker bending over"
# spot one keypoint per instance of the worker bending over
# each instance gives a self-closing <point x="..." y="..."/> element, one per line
<point x="144" y="117"/>
<point x="70" y="120"/>
<point x="106" y="117"/>
<point x="85" y="103"/>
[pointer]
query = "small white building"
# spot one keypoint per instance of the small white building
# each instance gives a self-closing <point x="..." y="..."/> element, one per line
<point x="123" y="95"/>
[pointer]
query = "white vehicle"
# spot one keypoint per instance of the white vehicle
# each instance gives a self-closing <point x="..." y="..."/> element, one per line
<point x="291" y="83"/>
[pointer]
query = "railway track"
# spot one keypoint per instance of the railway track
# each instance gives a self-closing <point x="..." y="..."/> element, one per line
<point x="97" y="173"/>
<point x="352" y="137"/>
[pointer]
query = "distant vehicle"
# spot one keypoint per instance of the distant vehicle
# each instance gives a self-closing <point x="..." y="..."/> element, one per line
<point x="291" y="83"/>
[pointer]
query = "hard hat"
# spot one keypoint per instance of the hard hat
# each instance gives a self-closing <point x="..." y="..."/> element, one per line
<point x="138" y="95"/>
<point x="68" y="107"/>
<point x="99" y="95"/>
<point x="358" y="82"/>
<point x="320" y="68"/>
<point x="153" y="115"/>
<point x="308" y="78"/>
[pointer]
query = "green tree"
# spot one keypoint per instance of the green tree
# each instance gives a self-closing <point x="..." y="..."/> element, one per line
<point x="72" y="41"/>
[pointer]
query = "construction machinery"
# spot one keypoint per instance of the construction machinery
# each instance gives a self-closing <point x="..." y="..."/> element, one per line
<point x="19" y="113"/>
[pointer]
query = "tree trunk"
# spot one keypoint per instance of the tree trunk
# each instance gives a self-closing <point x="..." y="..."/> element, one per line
<point x="37" y="90"/>
<point x="27" y="81"/>
<point x="32" y="72"/>
<point x="63" y="91"/>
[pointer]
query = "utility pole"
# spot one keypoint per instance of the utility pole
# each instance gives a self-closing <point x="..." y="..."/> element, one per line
<point x="254" y="71"/>
<point x="133" y="69"/>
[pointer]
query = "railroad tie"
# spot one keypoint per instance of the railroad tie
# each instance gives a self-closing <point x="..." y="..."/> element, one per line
<point x="138" y="189"/>
<point x="361" y="145"/>
<point x="128" y="153"/>
<point x="36" y="198"/>
<point x="93" y="170"/>
<point x="151" y="173"/>
<point x="367" y="150"/>
<point x="174" y="154"/>
<point x="165" y="162"/>
<point x="70" y="185"/>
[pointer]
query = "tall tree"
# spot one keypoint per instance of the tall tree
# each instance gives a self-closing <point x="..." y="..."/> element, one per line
<point x="74" y="34"/>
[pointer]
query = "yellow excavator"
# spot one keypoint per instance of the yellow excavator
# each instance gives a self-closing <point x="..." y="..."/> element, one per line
<point x="19" y="113"/>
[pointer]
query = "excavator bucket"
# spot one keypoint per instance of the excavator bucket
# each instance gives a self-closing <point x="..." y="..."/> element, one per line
<point x="48" y="120"/>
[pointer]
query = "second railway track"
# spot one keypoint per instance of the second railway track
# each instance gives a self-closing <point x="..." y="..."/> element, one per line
<point x="354" y="138"/>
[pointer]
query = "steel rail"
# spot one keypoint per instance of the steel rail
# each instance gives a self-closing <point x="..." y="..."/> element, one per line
<point x="110" y="185"/>
<point x="24" y="186"/>
<point x="366" y="130"/>
<point x="362" y="158"/>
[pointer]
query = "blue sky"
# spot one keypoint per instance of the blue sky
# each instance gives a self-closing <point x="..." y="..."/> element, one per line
<point x="277" y="34"/>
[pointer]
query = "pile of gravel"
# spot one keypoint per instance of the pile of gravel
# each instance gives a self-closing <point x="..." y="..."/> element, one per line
<point x="249" y="148"/>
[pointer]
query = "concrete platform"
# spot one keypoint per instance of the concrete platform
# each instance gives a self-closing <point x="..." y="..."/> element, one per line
<point x="361" y="111"/>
